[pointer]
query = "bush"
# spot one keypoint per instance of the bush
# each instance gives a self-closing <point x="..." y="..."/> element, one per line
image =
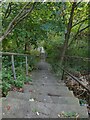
<point x="8" y="81"/>
<point x="5" y="87"/>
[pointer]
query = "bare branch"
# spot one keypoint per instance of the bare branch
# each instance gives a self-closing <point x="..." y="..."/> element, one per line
<point x="20" y="19"/>
<point x="13" y="21"/>
<point x="74" y="36"/>
<point x="79" y="31"/>
<point x="78" y="3"/>
<point x="8" y="11"/>
<point x="25" y="13"/>
<point x="17" y="19"/>
<point x="80" y="22"/>
<point x="83" y="29"/>
<point x="29" y="11"/>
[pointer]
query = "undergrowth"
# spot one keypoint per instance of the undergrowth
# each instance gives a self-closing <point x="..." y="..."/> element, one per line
<point x="8" y="83"/>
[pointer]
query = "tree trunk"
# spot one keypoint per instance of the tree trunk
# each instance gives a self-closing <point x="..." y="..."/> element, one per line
<point x="67" y="35"/>
<point x="26" y="47"/>
<point x="89" y="40"/>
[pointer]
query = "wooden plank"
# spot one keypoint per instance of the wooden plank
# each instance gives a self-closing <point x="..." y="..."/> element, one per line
<point x="26" y="66"/>
<point x="13" y="67"/>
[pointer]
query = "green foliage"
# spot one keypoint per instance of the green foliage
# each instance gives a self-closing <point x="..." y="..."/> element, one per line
<point x="7" y="76"/>
<point x="28" y="79"/>
<point x="8" y="82"/>
<point x="19" y="83"/>
<point x="46" y="24"/>
<point x="54" y="45"/>
<point x="5" y="87"/>
<point x="69" y="114"/>
<point x="54" y="49"/>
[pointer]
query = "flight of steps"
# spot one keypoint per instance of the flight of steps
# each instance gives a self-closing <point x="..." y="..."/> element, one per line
<point x="45" y="97"/>
<point x="36" y="103"/>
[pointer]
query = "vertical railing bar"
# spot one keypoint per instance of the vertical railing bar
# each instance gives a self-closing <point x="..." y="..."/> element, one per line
<point x="13" y="67"/>
<point x="62" y="75"/>
<point x="26" y="66"/>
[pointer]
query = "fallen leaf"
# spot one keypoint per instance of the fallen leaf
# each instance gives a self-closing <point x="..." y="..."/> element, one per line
<point x="68" y="114"/>
<point x="14" y="89"/>
<point x="37" y="113"/>
<point x="3" y="113"/>
<point x="21" y="90"/>
<point x="59" y="115"/>
<point x="31" y="100"/>
<point x="30" y="90"/>
<point x="27" y="83"/>
<point x="8" y="107"/>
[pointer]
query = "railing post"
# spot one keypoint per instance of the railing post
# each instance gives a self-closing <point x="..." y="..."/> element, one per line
<point x="62" y="75"/>
<point x="26" y="66"/>
<point x="13" y="67"/>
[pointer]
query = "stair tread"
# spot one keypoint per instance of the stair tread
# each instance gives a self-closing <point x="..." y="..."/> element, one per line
<point x="22" y="108"/>
<point x="44" y="98"/>
<point x="63" y="91"/>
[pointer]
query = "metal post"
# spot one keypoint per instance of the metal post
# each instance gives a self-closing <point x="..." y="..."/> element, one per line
<point x="13" y="67"/>
<point x="62" y="75"/>
<point x="26" y="66"/>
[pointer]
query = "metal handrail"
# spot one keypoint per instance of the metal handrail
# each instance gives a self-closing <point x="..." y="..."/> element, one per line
<point x="13" y="63"/>
<point x="9" y="53"/>
<point x="77" y="57"/>
<point x="75" y="78"/>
